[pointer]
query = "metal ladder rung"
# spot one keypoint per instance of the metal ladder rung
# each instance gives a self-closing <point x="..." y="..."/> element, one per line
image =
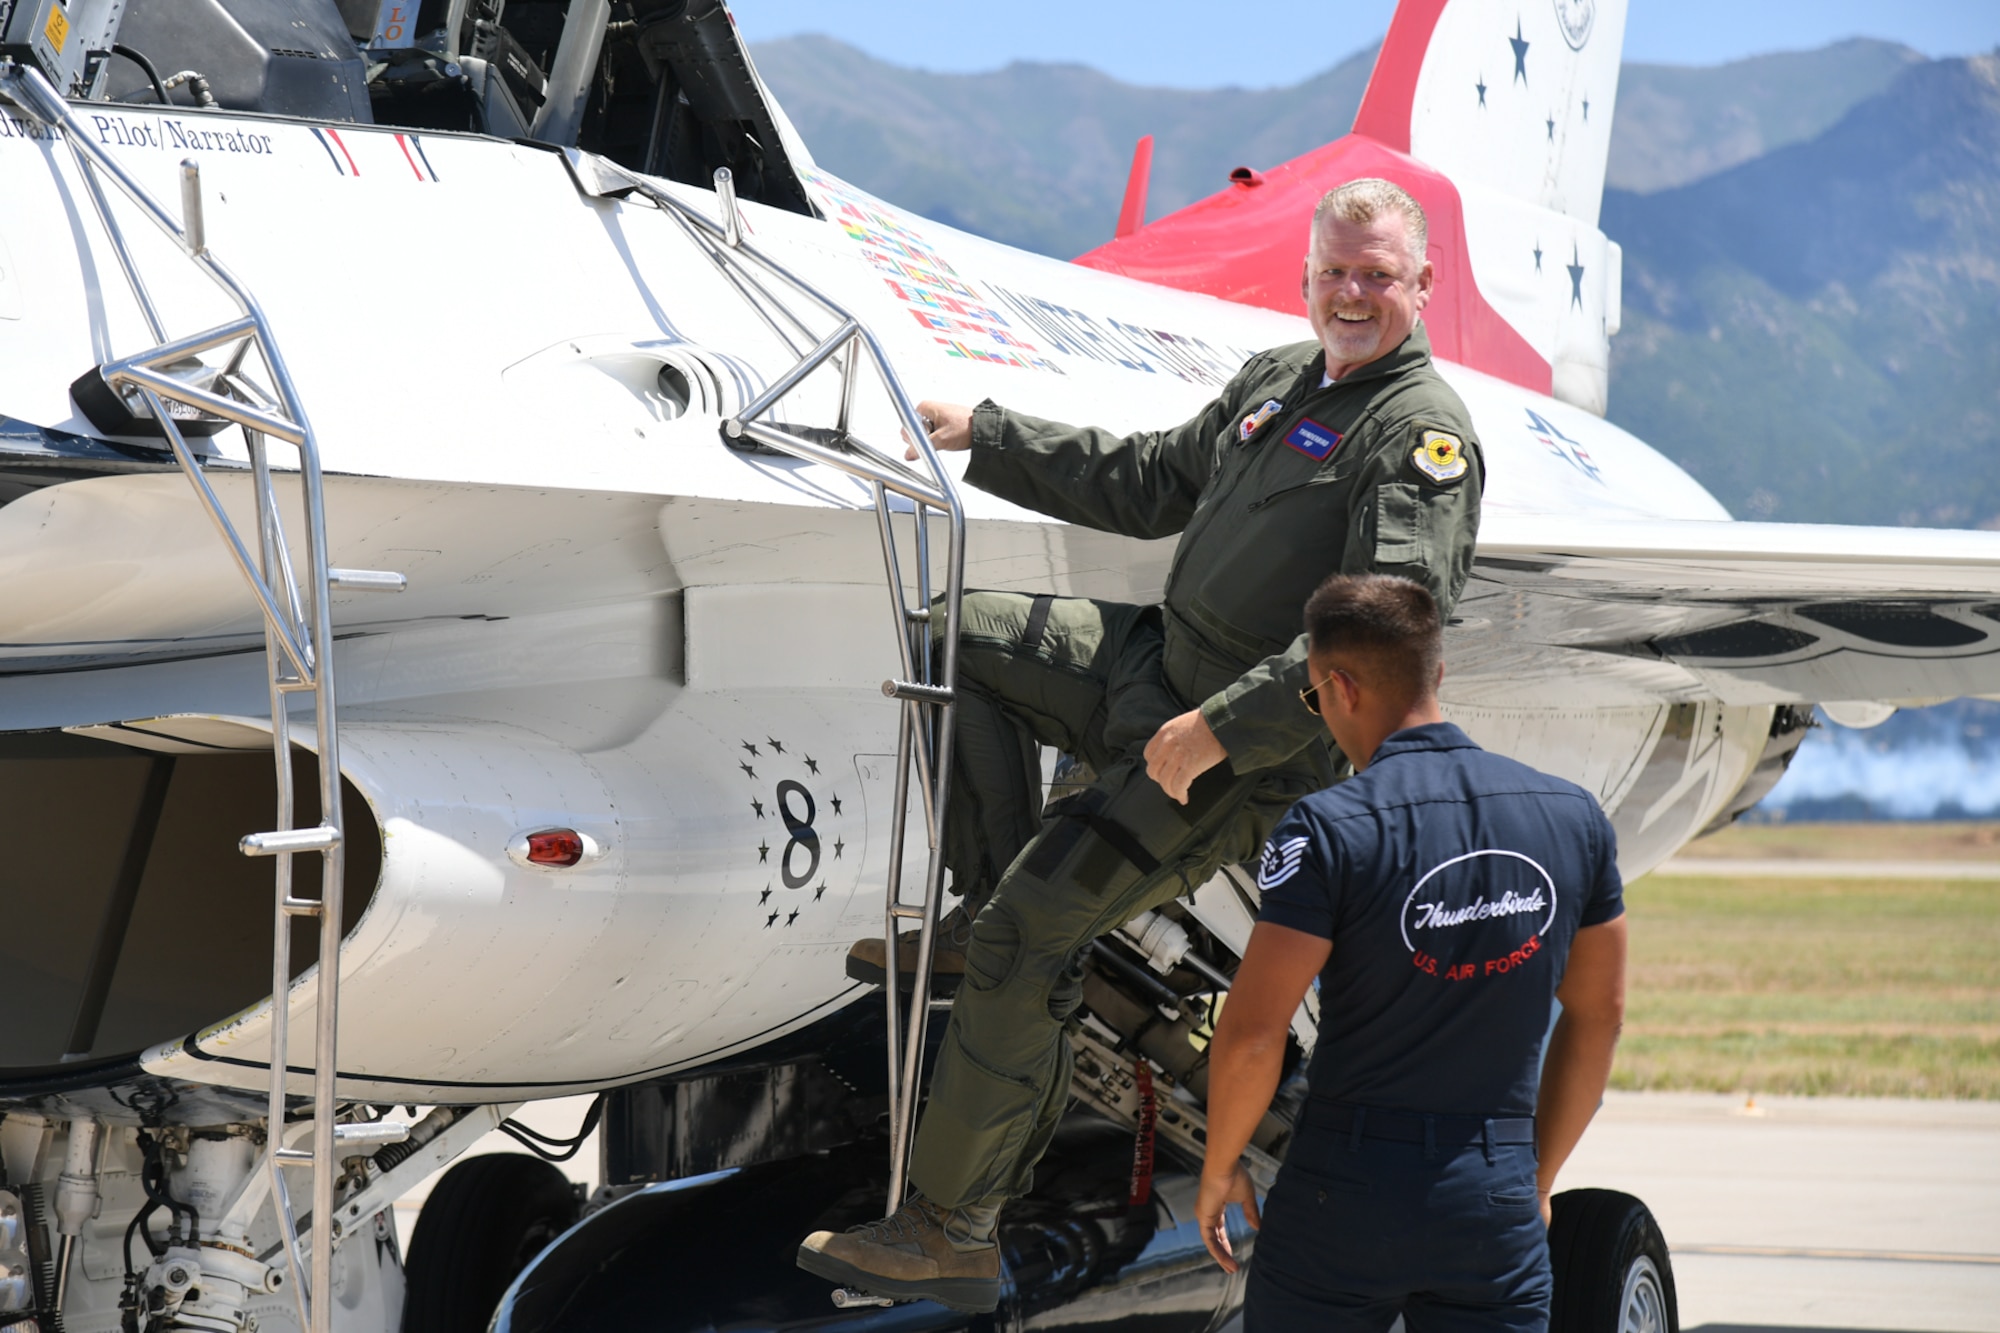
<point x="284" y="842"/>
<point x="366" y="580"/>
<point x="917" y="692"/>
<point x="300" y="906"/>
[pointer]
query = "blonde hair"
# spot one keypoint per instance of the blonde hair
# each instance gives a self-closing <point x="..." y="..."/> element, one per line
<point x="1368" y="198"/>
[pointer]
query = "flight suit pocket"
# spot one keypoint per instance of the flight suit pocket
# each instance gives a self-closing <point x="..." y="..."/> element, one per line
<point x="1402" y="530"/>
<point x="995" y="949"/>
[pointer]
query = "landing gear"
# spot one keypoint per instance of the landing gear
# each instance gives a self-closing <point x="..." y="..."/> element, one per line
<point x="482" y="1224"/>
<point x="1612" y="1274"/>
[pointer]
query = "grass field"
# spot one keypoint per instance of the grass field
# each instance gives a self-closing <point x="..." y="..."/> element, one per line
<point x="1814" y="985"/>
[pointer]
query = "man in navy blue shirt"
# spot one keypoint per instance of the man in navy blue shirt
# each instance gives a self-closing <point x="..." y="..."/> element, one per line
<point x="1444" y="897"/>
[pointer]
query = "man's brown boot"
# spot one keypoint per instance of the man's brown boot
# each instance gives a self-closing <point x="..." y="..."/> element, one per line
<point x="920" y="1252"/>
<point x="867" y="961"/>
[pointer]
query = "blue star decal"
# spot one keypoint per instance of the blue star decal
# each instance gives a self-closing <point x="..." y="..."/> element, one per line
<point x="1575" y="267"/>
<point x="1520" y="53"/>
<point x="1552" y="129"/>
<point x="1586" y="110"/>
<point x="1481" y="86"/>
<point x="1538" y="256"/>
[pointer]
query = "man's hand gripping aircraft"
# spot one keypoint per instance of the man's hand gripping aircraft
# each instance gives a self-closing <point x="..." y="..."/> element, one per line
<point x="451" y="457"/>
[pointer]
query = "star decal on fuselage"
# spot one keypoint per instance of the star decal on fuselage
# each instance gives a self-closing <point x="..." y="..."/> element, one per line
<point x="1575" y="267"/>
<point x="1481" y="89"/>
<point x="1538" y="256"/>
<point x="1552" y="129"/>
<point x="801" y="795"/>
<point x="1520" y="53"/>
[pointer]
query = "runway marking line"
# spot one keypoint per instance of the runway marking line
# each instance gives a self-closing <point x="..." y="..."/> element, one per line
<point x="1793" y="1252"/>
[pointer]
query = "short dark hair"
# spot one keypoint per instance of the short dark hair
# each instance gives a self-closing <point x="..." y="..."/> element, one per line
<point x="1387" y="627"/>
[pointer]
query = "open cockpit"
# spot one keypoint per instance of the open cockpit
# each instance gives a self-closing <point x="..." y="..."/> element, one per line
<point x="661" y="86"/>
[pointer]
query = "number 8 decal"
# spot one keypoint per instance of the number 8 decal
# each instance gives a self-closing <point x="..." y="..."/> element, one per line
<point x="801" y="831"/>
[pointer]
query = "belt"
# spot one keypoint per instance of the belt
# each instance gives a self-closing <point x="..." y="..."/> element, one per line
<point x="1432" y="1131"/>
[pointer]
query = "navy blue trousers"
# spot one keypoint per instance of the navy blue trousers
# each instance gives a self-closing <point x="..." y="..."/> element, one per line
<point x="1436" y="1223"/>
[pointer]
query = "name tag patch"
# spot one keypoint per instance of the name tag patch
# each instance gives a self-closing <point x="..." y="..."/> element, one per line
<point x="1249" y="424"/>
<point x="1313" y="440"/>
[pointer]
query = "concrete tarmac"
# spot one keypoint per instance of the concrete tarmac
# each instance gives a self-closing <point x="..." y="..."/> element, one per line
<point x="1797" y="1213"/>
<point x="1813" y="1213"/>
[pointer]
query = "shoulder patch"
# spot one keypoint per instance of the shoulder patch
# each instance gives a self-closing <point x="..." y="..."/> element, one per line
<point x="1280" y="862"/>
<point x="1440" y="456"/>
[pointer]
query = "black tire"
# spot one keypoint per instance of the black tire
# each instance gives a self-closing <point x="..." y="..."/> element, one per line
<point x="482" y="1224"/>
<point x="1612" y="1274"/>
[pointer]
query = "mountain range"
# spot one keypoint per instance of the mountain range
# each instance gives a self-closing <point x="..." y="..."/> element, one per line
<point x="1812" y="261"/>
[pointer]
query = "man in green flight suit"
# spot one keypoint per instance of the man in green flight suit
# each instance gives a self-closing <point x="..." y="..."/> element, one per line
<point x="1348" y="454"/>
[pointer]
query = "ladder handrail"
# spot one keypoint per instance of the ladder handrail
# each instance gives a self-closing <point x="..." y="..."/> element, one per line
<point x="928" y="687"/>
<point x="298" y="633"/>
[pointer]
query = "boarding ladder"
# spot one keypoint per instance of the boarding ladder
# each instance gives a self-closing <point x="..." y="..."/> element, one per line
<point x="298" y="632"/>
<point x="831" y="336"/>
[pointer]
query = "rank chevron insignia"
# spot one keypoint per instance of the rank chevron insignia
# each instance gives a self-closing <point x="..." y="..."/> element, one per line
<point x="1281" y="862"/>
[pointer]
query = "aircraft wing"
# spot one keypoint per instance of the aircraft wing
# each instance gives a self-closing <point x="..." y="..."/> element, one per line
<point x="1570" y="612"/>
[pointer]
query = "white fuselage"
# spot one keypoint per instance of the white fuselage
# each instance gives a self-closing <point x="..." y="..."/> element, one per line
<point x="615" y="623"/>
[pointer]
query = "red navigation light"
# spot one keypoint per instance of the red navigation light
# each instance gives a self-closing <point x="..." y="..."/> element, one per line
<point x="555" y="847"/>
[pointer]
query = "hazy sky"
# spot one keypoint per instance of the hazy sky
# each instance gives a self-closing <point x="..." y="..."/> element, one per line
<point x="1267" y="43"/>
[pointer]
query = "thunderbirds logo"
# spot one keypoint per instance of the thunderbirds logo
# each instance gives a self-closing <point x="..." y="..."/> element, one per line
<point x="1479" y="915"/>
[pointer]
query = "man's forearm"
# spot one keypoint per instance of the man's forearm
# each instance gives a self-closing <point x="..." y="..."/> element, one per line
<point x="1242" y="1078"/>
<point x="1573" y="1080"/>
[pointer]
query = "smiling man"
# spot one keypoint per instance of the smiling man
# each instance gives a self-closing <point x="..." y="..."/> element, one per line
<point x="1346" y="454"/>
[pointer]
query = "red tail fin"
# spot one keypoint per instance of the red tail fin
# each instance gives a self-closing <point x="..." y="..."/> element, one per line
<point x="1132" y="215"/>
<point x="1248" y="244"/>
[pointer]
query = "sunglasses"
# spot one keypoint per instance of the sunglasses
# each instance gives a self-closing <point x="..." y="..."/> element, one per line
<point x="1309" y="696"/>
